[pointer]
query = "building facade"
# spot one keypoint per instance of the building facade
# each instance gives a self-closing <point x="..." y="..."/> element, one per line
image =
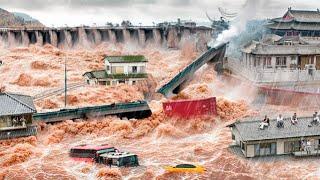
<point x="296" y="23"/>
<point x="15" y="111"/>
<point x="119" y="69"/>
<point x="291" y="139"/>
<point x="285" y="57"/>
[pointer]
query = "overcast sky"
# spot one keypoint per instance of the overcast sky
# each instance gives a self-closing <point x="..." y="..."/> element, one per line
<point x="76" y="12"/>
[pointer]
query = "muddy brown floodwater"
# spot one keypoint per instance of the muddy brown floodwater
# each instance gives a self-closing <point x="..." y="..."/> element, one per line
<point x="157" y="140"/>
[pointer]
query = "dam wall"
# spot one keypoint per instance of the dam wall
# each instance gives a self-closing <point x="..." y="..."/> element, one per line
<point x="68" y="37"/>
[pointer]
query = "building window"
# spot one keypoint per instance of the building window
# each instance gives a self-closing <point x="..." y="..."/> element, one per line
<point x="122" y="81"/>
<point x="134" y="69"/>
<point x="267" y="62"/>
<point x="108" y="68"/>
<point x="242" y="145"/>
<point x="108" y="83"/>
<point x="142" y="69"/>
<point x="288" y="43"/>
<point x="233" y="137"/>
<point x="281" y="62"/>
<point x="133" y="82"/>
<point x="102" y="83"/>
<point x="265" y="149"/>
<point x="292" y="146"/>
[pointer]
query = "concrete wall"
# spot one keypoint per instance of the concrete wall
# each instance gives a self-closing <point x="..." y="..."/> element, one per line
<point x="70" y="37"/>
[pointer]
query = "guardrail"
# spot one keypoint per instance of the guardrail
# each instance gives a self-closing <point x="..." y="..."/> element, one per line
<point x="53" y="92"/>
<point x="137" y="110"/>
<point x="190" y="69"/>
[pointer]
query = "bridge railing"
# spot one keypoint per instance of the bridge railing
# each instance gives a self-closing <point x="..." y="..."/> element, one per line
<point x="81" y="112"/>
<point x="193" y="66"/>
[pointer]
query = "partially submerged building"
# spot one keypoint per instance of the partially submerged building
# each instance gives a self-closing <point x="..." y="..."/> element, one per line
<point x="16" y="116"/>
<point x="119" y="69"/>
<point x="291" y="139"/>
<point x="290" y="54"/>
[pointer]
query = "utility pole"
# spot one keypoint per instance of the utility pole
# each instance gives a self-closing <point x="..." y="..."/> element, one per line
<point x="65" y="82"/>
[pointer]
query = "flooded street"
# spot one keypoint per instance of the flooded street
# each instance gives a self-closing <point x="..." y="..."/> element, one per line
<point x="158" y="140"/>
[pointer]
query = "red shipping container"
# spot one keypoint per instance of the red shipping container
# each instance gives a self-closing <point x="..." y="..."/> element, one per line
<point x="190" y="108"/>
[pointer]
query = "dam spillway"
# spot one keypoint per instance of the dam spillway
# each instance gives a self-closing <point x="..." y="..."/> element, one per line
<point x="170" y="36"/>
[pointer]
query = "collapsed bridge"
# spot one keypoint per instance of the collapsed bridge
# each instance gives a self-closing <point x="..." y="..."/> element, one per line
<point x="215" y="55"/>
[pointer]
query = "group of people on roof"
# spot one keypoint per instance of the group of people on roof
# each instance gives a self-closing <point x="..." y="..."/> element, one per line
<point x="280" y="123"/>
<point x="294" y="120"/>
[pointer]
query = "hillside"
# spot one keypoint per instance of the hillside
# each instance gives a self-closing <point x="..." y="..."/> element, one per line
<point x="17" y="19"/>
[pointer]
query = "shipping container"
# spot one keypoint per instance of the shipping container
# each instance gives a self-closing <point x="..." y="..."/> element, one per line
<point x="190" y="108"/>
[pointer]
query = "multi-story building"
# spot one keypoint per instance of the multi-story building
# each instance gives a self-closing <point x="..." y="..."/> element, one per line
<point x="119" y="69"/>
<point x="290" y="55"/>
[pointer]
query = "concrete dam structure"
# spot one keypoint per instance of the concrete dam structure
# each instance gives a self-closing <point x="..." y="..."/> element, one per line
<point x="169" y="36"/>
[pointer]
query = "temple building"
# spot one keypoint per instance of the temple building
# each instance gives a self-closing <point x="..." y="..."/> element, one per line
<point x="290" y="54"/>
<point x="119" y="69"/>
<point x="297" y="22"/>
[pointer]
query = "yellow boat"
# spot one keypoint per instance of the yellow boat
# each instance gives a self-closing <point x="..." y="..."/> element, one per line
<point x="185" y="168"/>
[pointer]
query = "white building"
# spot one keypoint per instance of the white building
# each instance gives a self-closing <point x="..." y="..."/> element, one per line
<point x="119" y="69"/>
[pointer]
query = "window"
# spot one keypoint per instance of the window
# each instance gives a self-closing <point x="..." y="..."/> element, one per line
<point x="265" y="149"/>
<point x="242" y="145"/>
<point x="134" y="69"/>
<point x="133" y="82"/>
<point x="122" y="81"/>
<point x="233" y="137"/>
<point x="288" y="43"/>
<point x="108" y="68"/>
<point x="142" y="69"/>
<point x="267" y="62"/>
<point x="292" y="146"/>
<point x="102" y="83"/>
<point x="281" y="62"/>
<point x="108" y="83"/>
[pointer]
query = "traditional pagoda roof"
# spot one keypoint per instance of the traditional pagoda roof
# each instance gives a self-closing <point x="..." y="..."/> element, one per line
<point x="299" y="16"/>
<point x="297" y="20"/>
<point x="250" y="131"/>
<point x="126" y="59"/>
<point x="16" y="104"/>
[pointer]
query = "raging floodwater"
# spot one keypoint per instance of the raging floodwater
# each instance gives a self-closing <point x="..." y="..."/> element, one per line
<point x="158" y="140"/>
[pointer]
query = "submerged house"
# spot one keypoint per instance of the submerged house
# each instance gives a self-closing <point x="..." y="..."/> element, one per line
<point x="290" y="54"/>
<point x="16" y="116"/>
<point x="289" y="139"/>
<point x="119" y="69"/>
